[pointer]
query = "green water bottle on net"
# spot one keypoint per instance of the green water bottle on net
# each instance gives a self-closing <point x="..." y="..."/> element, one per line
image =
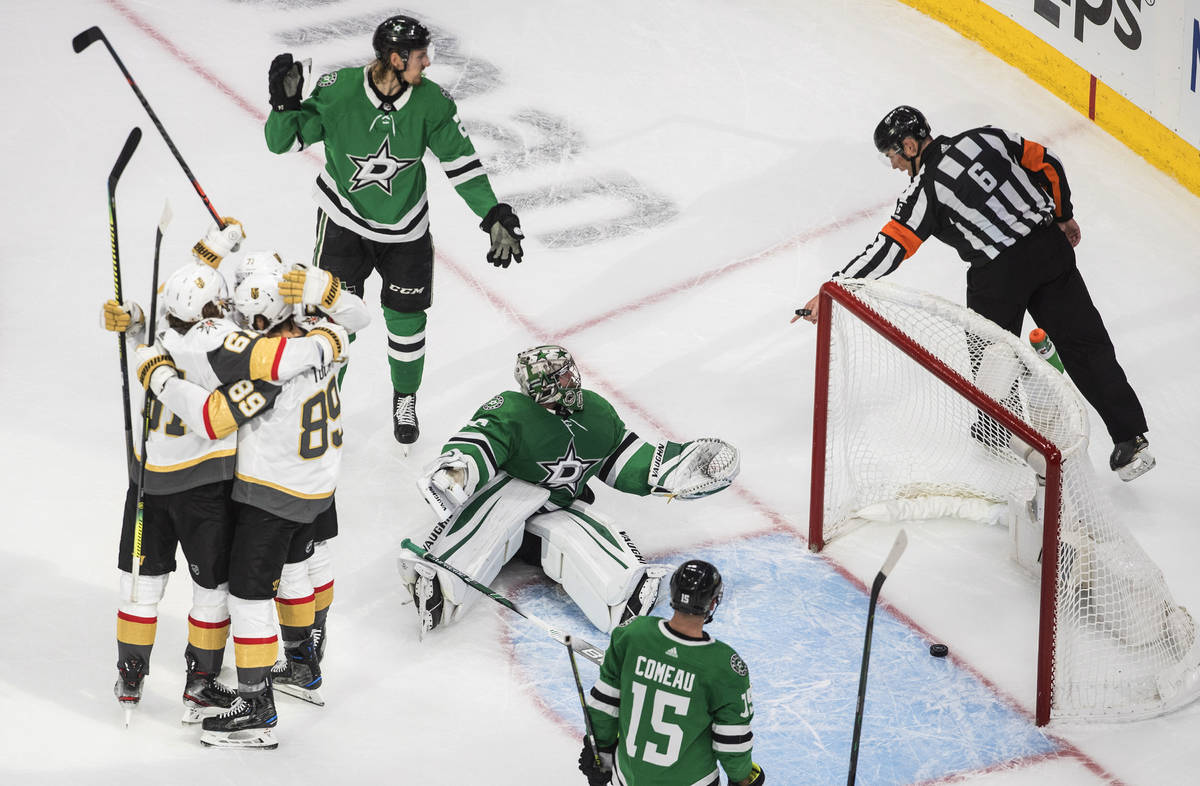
<point x="1045" y="348"/>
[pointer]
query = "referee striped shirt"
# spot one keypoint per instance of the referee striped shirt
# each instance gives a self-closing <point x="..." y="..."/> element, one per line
<point x="981" y="192"/>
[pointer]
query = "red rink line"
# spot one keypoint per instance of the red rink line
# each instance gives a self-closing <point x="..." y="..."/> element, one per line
<point x="778" y="521"/>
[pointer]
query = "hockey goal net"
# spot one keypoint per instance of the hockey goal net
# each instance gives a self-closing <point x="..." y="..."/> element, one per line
<point x="925" y="410"/>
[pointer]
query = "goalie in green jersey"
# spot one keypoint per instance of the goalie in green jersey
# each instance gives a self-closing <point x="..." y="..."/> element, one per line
<point x="515" y="476"/>
<point x="376" y="122"/>
<point x="671" y="701"/>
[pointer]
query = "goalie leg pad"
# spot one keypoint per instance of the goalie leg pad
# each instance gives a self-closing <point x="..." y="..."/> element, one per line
<point x="479" y="539"/>
<point x="598" y="566"/>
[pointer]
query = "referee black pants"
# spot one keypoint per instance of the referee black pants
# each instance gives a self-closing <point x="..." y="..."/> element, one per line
<point x="1039" y="275"/>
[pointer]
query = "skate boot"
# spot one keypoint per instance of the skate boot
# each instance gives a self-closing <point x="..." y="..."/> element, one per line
<point x="203" y="696"/>
<point x="299" y="674"/>
<point x="128" y="689"/>
<point x="404" y="418"/>
<point x="318" y="637"/>
<point x="1131" y="459"/>
<point x="246" y="724"/>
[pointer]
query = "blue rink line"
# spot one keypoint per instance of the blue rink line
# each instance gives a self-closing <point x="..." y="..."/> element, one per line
<point x="799" y="625"/>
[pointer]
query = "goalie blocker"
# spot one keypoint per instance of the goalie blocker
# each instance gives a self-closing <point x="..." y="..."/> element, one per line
<point x="520" y="467"/>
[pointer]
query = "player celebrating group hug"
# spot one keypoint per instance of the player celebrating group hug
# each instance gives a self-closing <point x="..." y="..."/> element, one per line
<point x="242" y="441"/>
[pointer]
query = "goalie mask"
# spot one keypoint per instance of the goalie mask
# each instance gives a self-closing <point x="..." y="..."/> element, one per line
<point x="549" y="376"/>
<point x="192" y="287"/>
<point x="258" y="295"/>
<point x="696" y="588"/>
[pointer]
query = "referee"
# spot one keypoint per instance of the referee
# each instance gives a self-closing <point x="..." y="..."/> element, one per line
<point x="1003" y="203"/>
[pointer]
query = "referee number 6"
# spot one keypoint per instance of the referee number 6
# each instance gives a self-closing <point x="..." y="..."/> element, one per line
<point x="982" y="176"/>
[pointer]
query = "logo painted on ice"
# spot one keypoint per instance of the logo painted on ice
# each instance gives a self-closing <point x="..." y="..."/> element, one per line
<point x="1127" y="30"/>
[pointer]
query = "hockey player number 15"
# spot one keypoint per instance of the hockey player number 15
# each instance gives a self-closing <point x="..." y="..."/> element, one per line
<point x="652" y="753"/>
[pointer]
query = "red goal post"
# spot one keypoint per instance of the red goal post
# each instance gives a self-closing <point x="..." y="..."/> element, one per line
<point x="922" y="407"/>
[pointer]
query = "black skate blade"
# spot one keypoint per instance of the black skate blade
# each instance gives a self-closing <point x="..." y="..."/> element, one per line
<point x="256" y="739"/>
<point x="312" y="696"/>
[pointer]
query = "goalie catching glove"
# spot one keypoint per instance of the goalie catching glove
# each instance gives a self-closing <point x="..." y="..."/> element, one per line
<point x="121" y="317"/>
<point x="154" y="367"/>
<point x="447" y="483"/>
<point x="694" y="469"/>
<point x="310" y="286"/>
<point x="218" y="243"/>
<point x="504" y="229"/>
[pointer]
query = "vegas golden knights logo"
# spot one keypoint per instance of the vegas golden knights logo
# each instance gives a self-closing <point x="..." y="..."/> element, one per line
<point x="199" y="282"/>
<point x="254" y="293"/>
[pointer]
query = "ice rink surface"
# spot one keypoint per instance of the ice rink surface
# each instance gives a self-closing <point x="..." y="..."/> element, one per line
<point x="687" y="174"/>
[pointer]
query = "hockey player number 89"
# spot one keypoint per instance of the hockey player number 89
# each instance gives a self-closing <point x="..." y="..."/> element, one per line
<point x="651" y="753"/>
<point x="314" y="421"/>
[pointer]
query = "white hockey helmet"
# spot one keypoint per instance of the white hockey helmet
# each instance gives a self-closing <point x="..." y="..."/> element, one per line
<point x="192" y="287"/>
<point x="254" y="261"/>
<point x="258" y="295"/>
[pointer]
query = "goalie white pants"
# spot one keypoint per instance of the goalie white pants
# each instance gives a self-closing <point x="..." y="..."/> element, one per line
<point x="598" y="566"/>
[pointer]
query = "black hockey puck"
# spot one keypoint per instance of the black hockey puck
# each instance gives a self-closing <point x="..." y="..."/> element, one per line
<point x="803" y="312"/>
<point x="939" y="650"/>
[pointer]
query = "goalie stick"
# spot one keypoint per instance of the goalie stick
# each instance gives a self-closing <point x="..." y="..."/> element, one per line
<point x="94" y="34"/>
<point x="590" y="651"/>
<point x="889" y="563"/>
<point x="131" y="143"/>
<point x="147" y="405"/>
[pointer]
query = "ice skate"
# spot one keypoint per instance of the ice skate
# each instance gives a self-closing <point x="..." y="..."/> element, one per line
<point x="128" y="688"/>
<point x="404" y="419"/>
<point x="246" y="724"/>
<point x="203" y="696"/>
<point x="299" y="674"/>
<point x="1131" y="459"/>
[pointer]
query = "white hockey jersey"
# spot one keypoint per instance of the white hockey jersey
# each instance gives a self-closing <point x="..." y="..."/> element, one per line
<point x="211" y="353"/>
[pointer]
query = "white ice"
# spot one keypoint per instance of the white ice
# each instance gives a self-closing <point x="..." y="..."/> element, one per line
<point x="688" y="173"/>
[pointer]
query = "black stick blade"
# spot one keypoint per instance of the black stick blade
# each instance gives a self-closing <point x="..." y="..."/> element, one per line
<point x="86" y="39"/>
<point x="131" y="143"/>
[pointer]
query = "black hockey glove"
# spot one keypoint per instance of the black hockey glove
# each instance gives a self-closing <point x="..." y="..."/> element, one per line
<point x="285" y="79"/>
<point x="596" y="775"/>
<point x="502" y="224"/>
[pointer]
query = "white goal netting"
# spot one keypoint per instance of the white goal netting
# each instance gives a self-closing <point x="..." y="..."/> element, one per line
<point x="902" y="443"/>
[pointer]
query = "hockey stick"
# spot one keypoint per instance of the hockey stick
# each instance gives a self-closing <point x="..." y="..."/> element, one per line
<point x="590" y="651"/>
<point x="587" y="719"/>
<point x="94" y="34"/>
<point x="147" y="406"/>
<point x="889" y="563"/>
<point x="131" y="143"/>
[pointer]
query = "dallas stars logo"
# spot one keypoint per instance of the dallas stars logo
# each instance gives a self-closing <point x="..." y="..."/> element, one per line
<point x="378" y="169"/>
<point x="566" y="471"/>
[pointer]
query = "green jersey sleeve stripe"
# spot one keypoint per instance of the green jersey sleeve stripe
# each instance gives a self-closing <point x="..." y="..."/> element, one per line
<point x="478" y="441"/>
<point x="602" y="703"/>
<point x="616" y="462"/>
<point x="732" y="747"/>
<point x="731" y="729"/>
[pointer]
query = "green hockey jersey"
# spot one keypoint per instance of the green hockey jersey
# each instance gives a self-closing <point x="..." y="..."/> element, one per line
<point x="674" y="706"/>
<point x="513" y="433"/>
<point x="373" y="182"/>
